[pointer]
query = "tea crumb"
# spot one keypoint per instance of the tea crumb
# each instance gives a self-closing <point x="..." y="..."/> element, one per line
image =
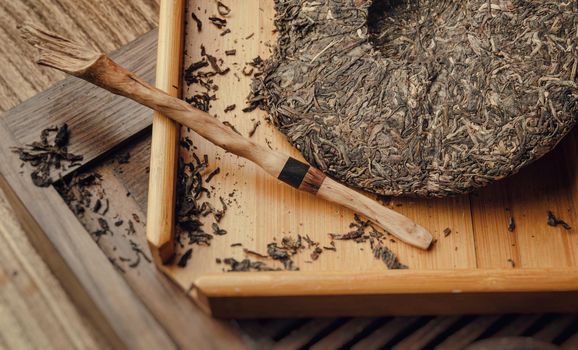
<point x="447" y="231"/>
<point x="554" y="221"/>
<point x="218" y="22"/>
<point x="223" y="9"/>
<point x="512" y="262"/>
<point x="198" y="22"/>
<point x="511" y="224"/>
<point x="254" y="129"/>
<point x="184" y="259"/>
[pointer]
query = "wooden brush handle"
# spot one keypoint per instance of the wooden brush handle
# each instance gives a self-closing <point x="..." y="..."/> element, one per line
<point x="165" y="136"/>
<point x="107" y="74"/>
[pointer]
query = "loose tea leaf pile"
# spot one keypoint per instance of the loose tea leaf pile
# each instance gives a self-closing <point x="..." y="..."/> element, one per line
<point x="426" y="98"/>
<point x="191" y="203"/>
<point x="48" y="154"/>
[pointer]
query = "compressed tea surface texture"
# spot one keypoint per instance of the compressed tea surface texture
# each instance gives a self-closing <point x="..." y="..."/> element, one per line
<point x="422" y="98"/>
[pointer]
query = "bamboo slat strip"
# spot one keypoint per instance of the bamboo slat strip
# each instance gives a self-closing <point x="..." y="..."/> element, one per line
<point x="165" y="137"/>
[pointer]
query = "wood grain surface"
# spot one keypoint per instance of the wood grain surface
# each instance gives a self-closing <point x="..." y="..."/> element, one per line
<point x="107" y="25"/>
<point x="32" y="322"/>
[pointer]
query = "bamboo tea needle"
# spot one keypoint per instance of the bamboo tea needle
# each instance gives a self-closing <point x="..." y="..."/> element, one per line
<point x="97" y="68"/>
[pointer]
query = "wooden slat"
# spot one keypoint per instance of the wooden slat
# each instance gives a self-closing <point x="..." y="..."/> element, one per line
<point x="571" y="343"/>
<point x="553" y="328"/>
<point x="81" y="267"/>
<point x="303" y="335"/>
<point x="165" y="137"/>
<point x="342" y="334"/>
<point x="264" y="333"/>
<point x="390" y="283"/>
<point x="385" y="333"/>
<point x="422" y="336"/>
<point x="517" y="327"/>
<point x="467" y="334"/>
<point x="98" y="120"/>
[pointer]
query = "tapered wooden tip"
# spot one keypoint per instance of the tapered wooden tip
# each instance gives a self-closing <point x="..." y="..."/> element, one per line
<point x="395" y="223"/>
<point x="163" y="254"/>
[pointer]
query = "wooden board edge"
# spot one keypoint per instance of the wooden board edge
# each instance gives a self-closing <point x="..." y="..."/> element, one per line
<point x="387" y="282"/>
<point x="391" y="293"/>
<point x="390" y="305"/>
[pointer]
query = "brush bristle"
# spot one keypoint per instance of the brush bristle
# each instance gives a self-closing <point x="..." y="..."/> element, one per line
<point x="59" y="52"/>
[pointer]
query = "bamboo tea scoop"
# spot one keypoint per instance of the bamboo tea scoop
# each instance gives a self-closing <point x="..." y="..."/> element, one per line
<point x="98" y="69"/>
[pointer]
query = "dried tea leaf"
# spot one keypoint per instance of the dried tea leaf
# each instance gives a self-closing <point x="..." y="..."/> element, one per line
<point x="223" y="9"/>
<point x="388" y="257"/>
<point x="554" y="221"/>
<point x="254" y="129"/>
<point x="246" y="265"/>
<point x="217" y="230"/>
<point x="213" y="174"/>
<point x="198" y="22"/>
<point x="218" y="22"/>
<point x="315" y="254"/>
<point x="511" y="224"/>
<point x="184" y="259"/>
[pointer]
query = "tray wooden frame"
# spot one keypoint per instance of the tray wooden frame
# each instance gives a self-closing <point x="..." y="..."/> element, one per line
<point x="274" y="294"/>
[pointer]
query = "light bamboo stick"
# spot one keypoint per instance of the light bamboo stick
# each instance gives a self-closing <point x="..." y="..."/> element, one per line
<point x="97" y="68"/>
<point x="165" y="135"/>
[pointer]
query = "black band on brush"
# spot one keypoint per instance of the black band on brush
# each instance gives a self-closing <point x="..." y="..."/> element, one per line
<point x="293" y="172"/>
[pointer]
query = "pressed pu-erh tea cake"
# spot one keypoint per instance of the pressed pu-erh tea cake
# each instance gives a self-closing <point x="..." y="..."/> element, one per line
<point x="426" y="98"/>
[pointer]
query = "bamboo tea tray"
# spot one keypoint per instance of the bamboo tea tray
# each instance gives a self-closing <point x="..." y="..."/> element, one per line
<point x="476" y="266"/>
